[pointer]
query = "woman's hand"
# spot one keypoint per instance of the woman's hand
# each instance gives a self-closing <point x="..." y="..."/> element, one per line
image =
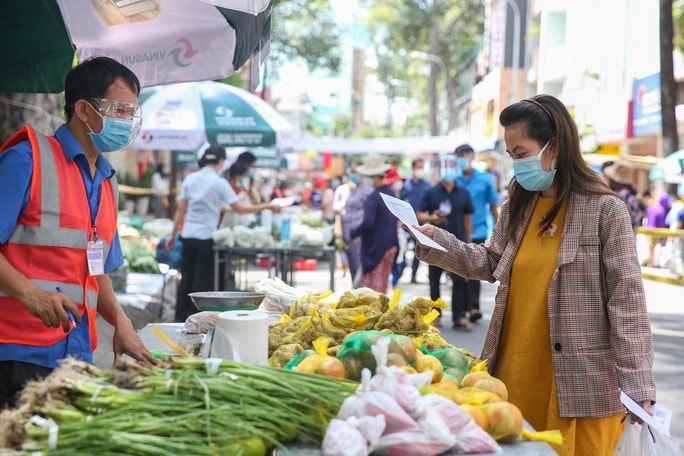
<point x="427" y="229"/>
<point x="646" y="405"/>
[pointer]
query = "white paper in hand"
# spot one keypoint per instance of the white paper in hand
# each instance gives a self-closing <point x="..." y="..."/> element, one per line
<point x="284" y="202"/>
<point x="661" y="416"/>
<point x="405" y="213"/>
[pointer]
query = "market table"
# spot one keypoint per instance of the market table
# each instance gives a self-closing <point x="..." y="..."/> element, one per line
<point x="175" y="331"/>
<point x="283" y="256"/>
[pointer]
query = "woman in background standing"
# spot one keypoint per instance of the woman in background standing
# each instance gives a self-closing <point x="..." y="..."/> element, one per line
<point x="378" y="231"/>
<point x="203" y="193"/>
<point x="351" y="219"/>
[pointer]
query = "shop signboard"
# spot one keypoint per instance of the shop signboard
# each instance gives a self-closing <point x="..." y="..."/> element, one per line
<point x="646" y="114"/>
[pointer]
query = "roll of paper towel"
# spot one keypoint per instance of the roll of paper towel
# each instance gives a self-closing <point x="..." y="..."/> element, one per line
<point x="242" y="336"/>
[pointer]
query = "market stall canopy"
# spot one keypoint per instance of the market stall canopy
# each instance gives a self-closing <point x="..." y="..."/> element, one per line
<point x="161" y="41"/>
<point x="184" y="116"/>
<point x="670" y="169"/>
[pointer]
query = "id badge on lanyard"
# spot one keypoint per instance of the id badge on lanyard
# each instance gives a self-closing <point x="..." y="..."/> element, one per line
<point x="95" y="253"/>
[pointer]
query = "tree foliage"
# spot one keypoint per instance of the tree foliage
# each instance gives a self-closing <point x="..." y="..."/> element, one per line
<point x="449" y="29"/>
<point x="306" y="30"/>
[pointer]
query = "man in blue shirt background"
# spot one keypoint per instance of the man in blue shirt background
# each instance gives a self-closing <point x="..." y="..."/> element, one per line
<point x="413" y="192"/>
<point x="485" y="199"/>
<point x="447" y="205"/>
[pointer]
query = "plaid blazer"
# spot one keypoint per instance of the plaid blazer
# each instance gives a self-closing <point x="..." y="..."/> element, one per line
<point x="600" y="332"/>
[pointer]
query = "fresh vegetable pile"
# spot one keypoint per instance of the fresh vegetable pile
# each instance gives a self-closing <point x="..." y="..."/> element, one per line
<point x="139" y="256"/>
<point x="186" y="406"/>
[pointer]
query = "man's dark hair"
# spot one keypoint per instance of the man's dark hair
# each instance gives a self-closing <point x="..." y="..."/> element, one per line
<point x="237" y="169"/>
<point x="247" y="158"/>
<point x="212" y="156"/>
<point x="416" y="162"/>
<point x="92" y="78"/>
<point x="464" y="149"/>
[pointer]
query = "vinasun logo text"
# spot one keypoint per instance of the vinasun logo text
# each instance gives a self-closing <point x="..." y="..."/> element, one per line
<point x="181" y="55"/>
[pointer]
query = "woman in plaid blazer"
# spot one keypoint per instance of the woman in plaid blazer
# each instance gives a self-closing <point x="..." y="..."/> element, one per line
<point x="570" y="327"/>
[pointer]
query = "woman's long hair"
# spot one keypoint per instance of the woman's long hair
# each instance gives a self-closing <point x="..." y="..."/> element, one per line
<point x="545" y="118"/>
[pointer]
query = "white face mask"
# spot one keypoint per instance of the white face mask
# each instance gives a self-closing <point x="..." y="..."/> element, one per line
<point x="396" y="186"/>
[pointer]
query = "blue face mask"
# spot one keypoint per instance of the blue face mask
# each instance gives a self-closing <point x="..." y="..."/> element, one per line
<point x="463" y="163"/>
<point x="449" y="175"/>
<point x="354" y="178"/>
<point x="530" y="175"/>
<point x="116" y="134"/>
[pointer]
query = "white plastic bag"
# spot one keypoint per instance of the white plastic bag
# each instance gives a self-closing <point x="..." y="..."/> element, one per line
<point x="353" y="436"/>
<point x="392" y="379"/>
<point x="655" y="443"/>
<point x="643" y="440"/>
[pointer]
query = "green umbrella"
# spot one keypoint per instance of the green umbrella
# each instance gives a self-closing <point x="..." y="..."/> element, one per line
<point x="184" y="116"/>
<point x="162" y="41"/>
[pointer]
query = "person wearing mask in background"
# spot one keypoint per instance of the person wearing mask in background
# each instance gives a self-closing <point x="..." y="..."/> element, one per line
<point x="656" y="211"/>
<point x="322" y="199"/>
<point x="58" y="230"/>
<point x="249" y="160"/>
<point x="617" y="175"/>
<point x="237" y="177"/>
<point x="449" y="206"/>
<point x="351" y="219"/>
<point x="395" y="181"/>
<point x="378" y="230"/>
<point x="484" y="196"/>
<point x="340" y="195"/>
<point x="199" y="208"/>
<point x="160" y="184"/>
<point x="413" y="191"/>
<point x="570" y="328"/>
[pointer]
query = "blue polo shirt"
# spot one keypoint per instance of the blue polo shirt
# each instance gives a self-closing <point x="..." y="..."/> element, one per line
<point x="414" y="192"/>
<point x="461" y="204"/>
<point x="483" y="192"/>
<point x="16" y="172"/>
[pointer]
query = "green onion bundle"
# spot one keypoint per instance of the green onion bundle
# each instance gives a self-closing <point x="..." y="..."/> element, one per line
<point x="178" y="407"/>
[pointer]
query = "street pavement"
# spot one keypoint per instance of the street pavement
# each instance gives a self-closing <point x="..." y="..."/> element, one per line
<point x="665" y="305"/>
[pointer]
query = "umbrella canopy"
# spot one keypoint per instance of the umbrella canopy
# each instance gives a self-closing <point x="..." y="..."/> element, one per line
<point x="184" y="116"/>
<point x="161" y="41"/>
<point x="669" y="169"/>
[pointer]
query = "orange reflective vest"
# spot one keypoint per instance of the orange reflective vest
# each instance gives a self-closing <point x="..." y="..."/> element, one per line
<point x="50" y="240"/>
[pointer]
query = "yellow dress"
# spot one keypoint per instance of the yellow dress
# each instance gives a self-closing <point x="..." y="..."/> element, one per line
<point x="524" y="360"/>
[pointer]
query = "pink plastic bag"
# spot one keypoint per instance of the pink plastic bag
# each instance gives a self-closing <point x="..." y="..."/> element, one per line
<point x="414" y="443"/>
<point x="468" y="436"/>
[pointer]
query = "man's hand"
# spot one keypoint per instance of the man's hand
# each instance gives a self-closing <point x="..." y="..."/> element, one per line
<point x="51" y="307"/>
<point x="127" y="342"/>
<point x="436" y="218"/>
<point x="170" y="241"/>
